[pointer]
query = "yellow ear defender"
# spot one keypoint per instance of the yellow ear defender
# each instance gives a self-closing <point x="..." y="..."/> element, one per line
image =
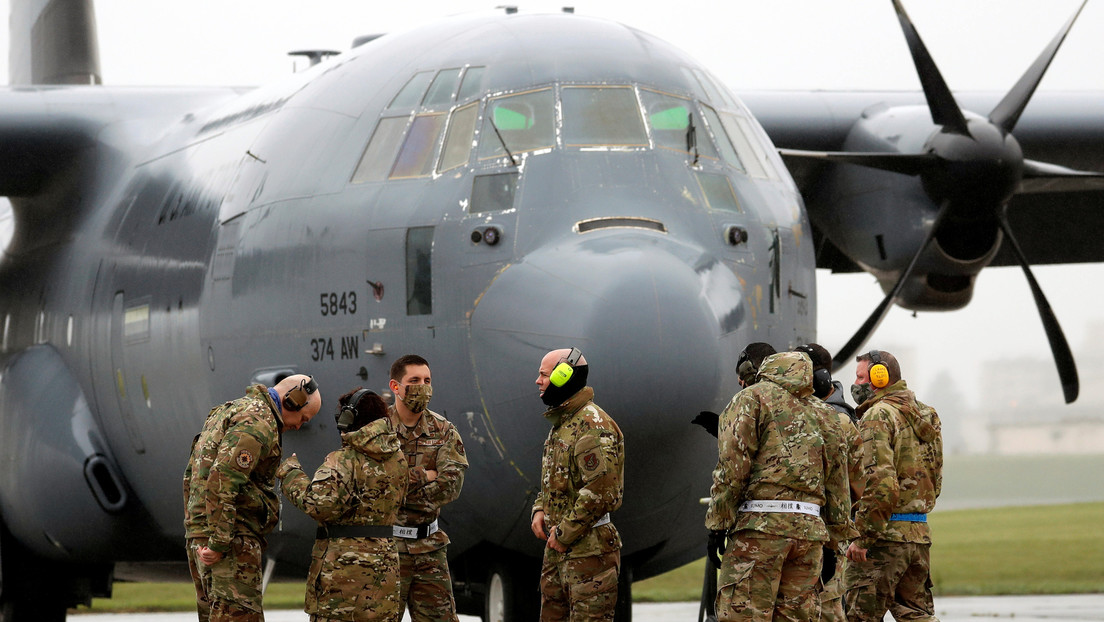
<point x="563" y="370"/>
<point x="878" y="372"/>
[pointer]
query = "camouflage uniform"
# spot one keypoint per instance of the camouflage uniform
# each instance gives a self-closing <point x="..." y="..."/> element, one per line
<point x="363" y="483"/>
<point x="431" y="444"/>
<point x="831" y="599"/>
<point x="230" y="503"/>
<point x="775" y="445"/>
<point x="582" y="480"/>
<point x="904" y="467"/>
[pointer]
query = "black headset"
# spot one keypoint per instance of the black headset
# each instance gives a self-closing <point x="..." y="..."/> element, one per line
<point x="878" y="372"/>
<point x="348" y="413"/>
<point x="563" y="370"/>
<point x="297" y="397"/>
<point x="822" y="378"/>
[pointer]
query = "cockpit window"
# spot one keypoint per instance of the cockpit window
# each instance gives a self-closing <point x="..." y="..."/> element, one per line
<point x="444" y="85"/>
<point x="602" y="116"/>
<point x="718" y="192"/>
<point x="723" y="142"/>
<point x="670" y="118"/>
<point x="471" y="85"/>
<point x="458" y="138"/>
<point x="749" y="147"/>
<point x="380" y="152"/>
<point x="416" y="156"/>
<point x="412" y="93"/>
<point x="521" y="122"/>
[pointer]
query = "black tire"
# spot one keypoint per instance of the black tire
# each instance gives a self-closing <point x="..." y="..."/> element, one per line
<point x="512" y="593"/>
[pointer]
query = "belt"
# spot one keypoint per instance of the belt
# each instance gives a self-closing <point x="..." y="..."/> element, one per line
<point x="352" y="531"/>
<point x="797" y="507"/>
<point x="417" y="532"/>
<point x="603" y="521"/>
<point x="910" y="518"/>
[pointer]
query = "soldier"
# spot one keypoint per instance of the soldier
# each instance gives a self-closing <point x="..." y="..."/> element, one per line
<point x="355" y="496"/>
<point x="230" y="500"/>
<point x="890" y="565"/>
<point x="829" y="393"/>
<point x="582" y="481"/>
<point x="436" y="463"/>
<point x="779" y="493"/>
<point x="747" y="366"/>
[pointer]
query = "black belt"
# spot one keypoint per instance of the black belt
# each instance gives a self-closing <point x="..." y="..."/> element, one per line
<point x="353" y="531"/>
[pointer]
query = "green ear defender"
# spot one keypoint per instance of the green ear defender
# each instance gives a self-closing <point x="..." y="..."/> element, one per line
<point x="565" y="368"/>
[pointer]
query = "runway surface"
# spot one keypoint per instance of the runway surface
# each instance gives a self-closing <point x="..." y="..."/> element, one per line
<point x="1072" y="608"/>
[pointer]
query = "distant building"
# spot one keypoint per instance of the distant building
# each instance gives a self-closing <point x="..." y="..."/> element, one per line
<point x="1023" y="407"/>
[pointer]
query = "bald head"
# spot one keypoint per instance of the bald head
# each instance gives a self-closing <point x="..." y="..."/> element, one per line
<point x="549" y="362"/>
<point x="295" y="419"/>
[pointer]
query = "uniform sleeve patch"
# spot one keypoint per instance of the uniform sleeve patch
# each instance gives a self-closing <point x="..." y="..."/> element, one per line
<point x="590" y="461"/>
<point x="244" y="459"/>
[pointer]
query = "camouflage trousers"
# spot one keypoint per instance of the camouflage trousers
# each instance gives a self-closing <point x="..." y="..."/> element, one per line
<point x="230" y="589"/>
<point x="895" y="577"/>
<point x="579" y="589"/>
<point x="831" y="596"/>
<point x="765" y="577"/>
<point x="354" y="579"/>
<point x="427" y="586"/>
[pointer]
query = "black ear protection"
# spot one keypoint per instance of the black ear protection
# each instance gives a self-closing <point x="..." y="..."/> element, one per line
<point x="878" y="372"/>
<point x="563" y="370"/>
<point x="822" y="378"/>
<point x="297" y="397"/>
<point x="348" y="412"/>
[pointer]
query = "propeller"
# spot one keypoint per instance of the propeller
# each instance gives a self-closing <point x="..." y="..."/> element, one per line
<point x="969" y="165"/>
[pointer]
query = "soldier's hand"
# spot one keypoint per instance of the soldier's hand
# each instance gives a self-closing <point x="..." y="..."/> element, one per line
<point x="209" y="557"/>
<point x="716" y="547"/>
<point x="538" y="525"/>
<point x="287" y="466"/>
<point x="553" y="543"/>
<point x="856" y="554"/>
<point x="430" y="475"/>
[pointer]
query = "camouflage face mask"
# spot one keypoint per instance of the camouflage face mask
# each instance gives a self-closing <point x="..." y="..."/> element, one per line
<point x="862" y="392"/>
<point x="417" y="397"/>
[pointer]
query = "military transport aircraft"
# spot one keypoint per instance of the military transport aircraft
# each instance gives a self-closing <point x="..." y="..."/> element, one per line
<point x="478" y="190"/>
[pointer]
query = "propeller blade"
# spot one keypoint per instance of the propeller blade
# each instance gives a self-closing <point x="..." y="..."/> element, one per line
<point x="1008" y="111"/>
<point x="905" y="163"/>
<point x="844" y="354"/>
<point x="941" y="103"/>
<point x="1063" y="358"/>
<point x="1040" y="177"/>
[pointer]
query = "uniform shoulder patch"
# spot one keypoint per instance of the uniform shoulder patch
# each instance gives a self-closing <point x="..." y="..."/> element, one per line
<point x="590" y="461"/>
<point x="244" y="459"/>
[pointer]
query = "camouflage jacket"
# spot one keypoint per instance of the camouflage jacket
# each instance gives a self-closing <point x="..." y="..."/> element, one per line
<point x="432" y="444"/>
<point x="775" y="445"/>
<point x="582" y="475"/>
<point x="903" y="448"/>
<point x="363" y="483"/>
<point x="853" y="443"/>
<point x="229" y="481"/>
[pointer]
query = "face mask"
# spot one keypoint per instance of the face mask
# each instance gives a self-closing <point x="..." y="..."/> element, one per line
<point x="862" y="392"/>
<point x="417" y="397"/>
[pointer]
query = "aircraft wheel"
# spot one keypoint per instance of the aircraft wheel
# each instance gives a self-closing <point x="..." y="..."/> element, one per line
<point x="510" y="594"/>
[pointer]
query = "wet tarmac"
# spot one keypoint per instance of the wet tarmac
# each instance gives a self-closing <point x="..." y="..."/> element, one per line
<point x="1066" y="608"/>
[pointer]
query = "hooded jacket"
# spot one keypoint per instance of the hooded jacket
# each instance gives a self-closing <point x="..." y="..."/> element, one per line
<point x="363" y="483"/>
<point x="903" y="450"/>
<point x="775" y="445"/>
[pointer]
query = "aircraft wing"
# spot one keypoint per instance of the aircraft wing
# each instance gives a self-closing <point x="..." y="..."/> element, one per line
<point x="1058" y="212"/>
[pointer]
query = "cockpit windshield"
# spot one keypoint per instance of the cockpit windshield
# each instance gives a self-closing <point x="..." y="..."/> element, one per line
<point x="518" y="123"/>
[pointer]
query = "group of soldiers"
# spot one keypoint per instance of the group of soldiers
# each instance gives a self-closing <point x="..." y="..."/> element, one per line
<point x="817" y="510"/>
<point x="815" y="507"/>
<point x="378" y="547"/>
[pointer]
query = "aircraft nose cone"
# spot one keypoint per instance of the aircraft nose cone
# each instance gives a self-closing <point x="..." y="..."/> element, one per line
<point x="655" y="320"/>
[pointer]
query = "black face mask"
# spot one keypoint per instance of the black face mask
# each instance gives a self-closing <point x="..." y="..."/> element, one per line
<point x="554" y="396"/>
